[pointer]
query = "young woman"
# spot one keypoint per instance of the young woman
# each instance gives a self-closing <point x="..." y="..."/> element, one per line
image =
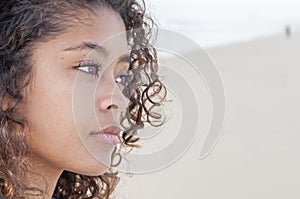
<point x="58" y="58"/>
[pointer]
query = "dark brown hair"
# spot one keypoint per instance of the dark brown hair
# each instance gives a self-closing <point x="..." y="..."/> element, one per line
<point x="25" y="22"/>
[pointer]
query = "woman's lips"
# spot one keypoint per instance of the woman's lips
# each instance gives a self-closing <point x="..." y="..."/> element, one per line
<point x="109" y="135"/>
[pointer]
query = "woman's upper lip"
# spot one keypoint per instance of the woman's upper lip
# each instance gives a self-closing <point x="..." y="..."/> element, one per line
<point x="109" y="130"/>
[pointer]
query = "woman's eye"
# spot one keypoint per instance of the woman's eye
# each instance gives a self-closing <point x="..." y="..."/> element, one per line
<point x="124" y="78"/>
<point x="90" y="68"/>
<point x="121" y="79"/>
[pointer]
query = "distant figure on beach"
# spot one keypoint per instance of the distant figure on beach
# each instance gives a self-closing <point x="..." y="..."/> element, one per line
<point x="287" y="31"/>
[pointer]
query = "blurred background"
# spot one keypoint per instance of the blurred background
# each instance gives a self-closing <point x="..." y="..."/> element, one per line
<point x="255" y="45"/>
<point x="219" y="22"/>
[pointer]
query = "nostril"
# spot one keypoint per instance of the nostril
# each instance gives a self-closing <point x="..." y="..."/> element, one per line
<point x="113" y="106"/>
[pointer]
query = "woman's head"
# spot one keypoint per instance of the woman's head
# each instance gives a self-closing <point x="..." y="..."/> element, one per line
<point x="56" y="55"/>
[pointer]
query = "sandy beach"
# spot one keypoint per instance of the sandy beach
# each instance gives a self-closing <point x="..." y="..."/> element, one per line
<point x="257" y="156"/>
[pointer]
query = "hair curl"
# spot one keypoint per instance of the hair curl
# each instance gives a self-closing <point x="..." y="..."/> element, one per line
<point x="25" y="22"/>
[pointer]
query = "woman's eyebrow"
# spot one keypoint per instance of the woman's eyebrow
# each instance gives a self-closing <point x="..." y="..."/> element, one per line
<point x="124" y="58"/>
<point x="90" y="46"/>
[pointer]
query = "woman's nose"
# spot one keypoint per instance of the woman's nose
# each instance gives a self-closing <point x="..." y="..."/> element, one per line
<point x="111" y="97"/>
<point x="113" y="102"/>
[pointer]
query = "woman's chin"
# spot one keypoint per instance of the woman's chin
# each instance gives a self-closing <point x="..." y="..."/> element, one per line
<point x="94" y="168"/>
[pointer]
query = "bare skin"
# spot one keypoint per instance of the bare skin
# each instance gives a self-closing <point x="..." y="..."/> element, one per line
<point x="53" y="137"/>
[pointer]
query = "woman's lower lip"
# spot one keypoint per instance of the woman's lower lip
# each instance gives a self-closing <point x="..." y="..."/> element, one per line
<point x="106" y="137"/>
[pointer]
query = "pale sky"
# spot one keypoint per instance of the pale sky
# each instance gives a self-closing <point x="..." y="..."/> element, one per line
<point x="214" y="21"/>
<point x="283" y="10"/>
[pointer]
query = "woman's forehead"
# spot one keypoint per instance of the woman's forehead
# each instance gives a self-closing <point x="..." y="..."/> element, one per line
<point x="103" y="32"/>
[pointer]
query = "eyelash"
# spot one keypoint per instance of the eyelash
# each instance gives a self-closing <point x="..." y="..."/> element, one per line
<point x="125" y="78"/>
<point x="90" y="67"/>
<point x="122" y="77"/>
<point x="94" y="65"/>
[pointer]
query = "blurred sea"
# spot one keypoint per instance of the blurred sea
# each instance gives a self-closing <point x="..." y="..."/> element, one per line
<point x="217" y="22"/>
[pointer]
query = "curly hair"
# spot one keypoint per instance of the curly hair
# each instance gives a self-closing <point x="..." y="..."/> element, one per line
<point x="25" y="22"/>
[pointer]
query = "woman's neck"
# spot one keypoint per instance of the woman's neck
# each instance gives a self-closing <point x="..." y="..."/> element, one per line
<point x="43" y="176"/>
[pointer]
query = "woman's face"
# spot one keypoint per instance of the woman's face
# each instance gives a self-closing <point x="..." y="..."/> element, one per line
<point x="74" y="95"/>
